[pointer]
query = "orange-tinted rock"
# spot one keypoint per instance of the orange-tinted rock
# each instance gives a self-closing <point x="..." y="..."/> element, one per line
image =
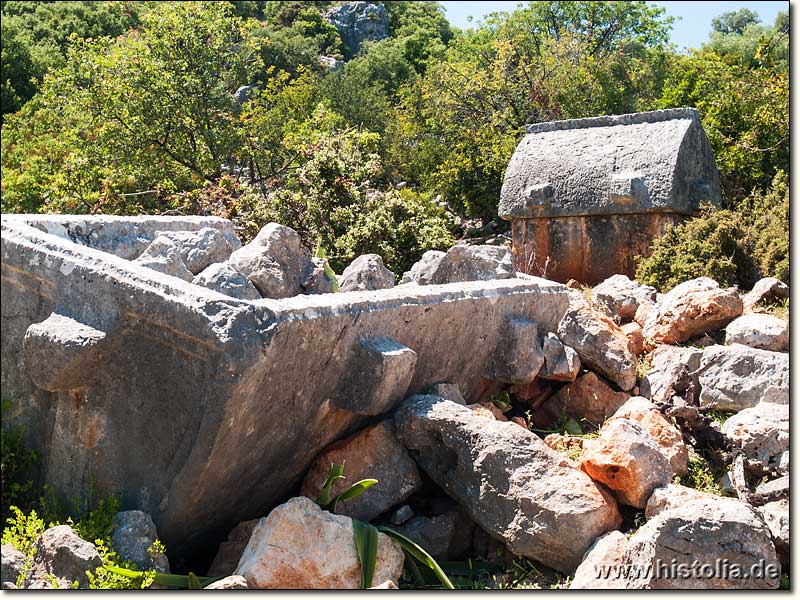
<point x="590" y="397"/>
<point x="633" y="331"/>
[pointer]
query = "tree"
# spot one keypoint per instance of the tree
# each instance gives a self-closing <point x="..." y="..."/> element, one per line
<point x="735" y="22"/>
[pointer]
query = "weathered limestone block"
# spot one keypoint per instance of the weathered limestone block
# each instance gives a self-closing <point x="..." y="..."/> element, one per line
<point x="690" y="309"/>
<point x="776" y="516"/>
<point x="358" y="22"/>
<point x="462" y="263"/>
<point x="626" y="459"/>
<point x="317" y="281"/>
<point x="223" y="278"/>
<point x="697" y="537"/>
<point x="601" y="558"/>
<point x="376" y="453"/>
<point x="519" y="357"/>
<point x="561" y="363"/>
<point x="618" y="297"/>
<point x="132" y="539"/>
<point x="586" y="196"/>
<point x="516" y="488"/>
<point x="61" y="553"/>
<point x="736" y="377"/>
<point x="589" y="397"/>
<point x="600" y="343"/>
<point x="13" y="563"/>
<point x="164" y="255"/>
<point x="759" y="331"/>
<point x="673" y="496"/>
<point x="445" y="537"/>
<point x="300" y="546"/>
<point x="200" y="248"/>
<point x="670" y="373"/>
<point x="62" y="353"/>
<point x="636" y="342"/>
<point x="366" y="272"/>
<point x="766" y="290"/>
<point x="423" y="270"/>
<point x="762" y="432"/>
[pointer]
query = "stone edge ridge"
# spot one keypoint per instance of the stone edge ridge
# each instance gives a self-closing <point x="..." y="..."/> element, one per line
<point x="653" y="116"/>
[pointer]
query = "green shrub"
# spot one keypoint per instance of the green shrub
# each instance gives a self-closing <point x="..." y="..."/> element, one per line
<point x="710" y="245"/>
<point x="17" y="462"/>
<point x="767" y="216"/>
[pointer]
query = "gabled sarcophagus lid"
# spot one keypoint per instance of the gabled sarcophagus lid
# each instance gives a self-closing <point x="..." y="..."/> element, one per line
<point x="650" y="162"/>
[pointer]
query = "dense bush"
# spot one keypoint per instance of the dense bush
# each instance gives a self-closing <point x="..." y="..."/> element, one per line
<point x="17" y="462"/>
<point x="734" y="247"/>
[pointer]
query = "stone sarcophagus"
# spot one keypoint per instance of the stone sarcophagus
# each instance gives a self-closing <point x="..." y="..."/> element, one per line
<point x="203" y="409"/>
<point x="587" y="196"/>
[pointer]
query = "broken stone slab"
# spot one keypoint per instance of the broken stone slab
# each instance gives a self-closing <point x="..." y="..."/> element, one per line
<point x="682" y="548"/>
<point x="775" y="489"/>
<point x="512" y="485"/>
<point x="126" y="237"/>
<point x="765" y="290"/>
<point x="626" y="459"/>
<point x="132" y="539"/>
<point x="737" y="377"/>
<point x="200" y="248"/>
<point x="666" y="435"/>
<point x="300" y="546"/>
<point x="275" y="261"/>
<point x="367" y="272"/>
<point x="187" y="408"/>
<point x="618" y="297"/>
<point x="762" y="433"/>
<point x="223" y="278"/>
<point x="60" y="552"/>
<point x="463" y="263"/>
<point x="776" y="516"/>
<point x="164" y="255"/>
<point x="670" y="372"/>
<point x="600" y="344"/>
<point x="13" y="563"/>
<point x="372" y="453"/>
<point x="588" y="397"/>
<point x="759" y="331"/>
<point x="561" y="363"/>
<point x="62" y="353"/>
<point x="690" y="309"/>
<point x="600" y="568"/>
<point x="518" y="358"/>
<point x="231" y="582"/>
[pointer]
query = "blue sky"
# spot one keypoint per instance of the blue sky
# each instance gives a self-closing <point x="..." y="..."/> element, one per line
<point x="690" y="31"/>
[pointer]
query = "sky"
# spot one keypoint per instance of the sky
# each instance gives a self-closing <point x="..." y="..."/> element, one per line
<point x="690" y="31"/>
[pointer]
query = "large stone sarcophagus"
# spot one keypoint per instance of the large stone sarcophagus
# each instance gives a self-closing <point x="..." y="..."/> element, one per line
<point x="587" y="196"/>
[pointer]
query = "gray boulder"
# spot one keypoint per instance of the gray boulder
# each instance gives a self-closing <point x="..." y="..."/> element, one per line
<point x="516" y="488"/>
<point x="200" y="248"/>
<point x="358" y="22"/>
<point x="164" y="255"/>
<point x="366" y="272"/>
<point x="61" y="553"/>
<point x="737" y="377"/>
<point x="463" y="263"/>
<point x="132" y="538"/>
<point x="12" y="565"/>
<point x="422" y="270"/>
<point x="762" y="432"/>
<point x="604" y="557"/>
<point x="445" y="537"/>
<point x="317" y="281"/>
<point x="376" y="453"/>
<point x="764" y="291"/>
<point x="759" y="331"/>
<point x="561" y="363"/>
<point x="618" y="297"/>
<point x="600" y="344"/>
<point x="670" y="372"/>
<point x="683" y="548"/>
<point x="275" y="261"/>
<point x="223" y="278"/>
<point x="776" y="516"/>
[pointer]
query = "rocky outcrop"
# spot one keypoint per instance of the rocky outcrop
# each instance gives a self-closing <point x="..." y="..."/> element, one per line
<point x="132" y="539"/>
<point x="737" y="377"/>
<point x="223" y="278"/>
<point x="301" y="546"/>
<point x="376" y="453"/>
<point x="358" y="22"/>
<point x="627" y="460"/>
<point x="366" y="272"/>
<point x="690" y="309"/>
<point x="600" y="344"/>
<point x="762" y="433"/>
<point x="618" y="297"/>
<point x="509" y="481"/>
<point x="759" y="331"/>
<point x="59" y="552"/>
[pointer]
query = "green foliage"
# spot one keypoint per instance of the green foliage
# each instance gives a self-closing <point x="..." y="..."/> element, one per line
<point x="366" y="538"/>
<point x="701" y="475"/>
<point x="415" y="553"/>
<point x="336" y="473"/>
<point x="735" y="21"/>
<point x="767" y="217"/>
<point x="17" y="462"/>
